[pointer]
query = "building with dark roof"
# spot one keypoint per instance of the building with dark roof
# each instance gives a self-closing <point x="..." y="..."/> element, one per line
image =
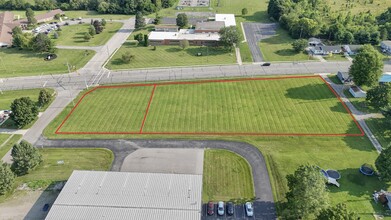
<point x="209" y="27"/>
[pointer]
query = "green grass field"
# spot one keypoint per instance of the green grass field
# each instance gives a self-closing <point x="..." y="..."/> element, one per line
<point x="14" y="62"/>
<point x="381" y="129"/>
<point x="9" y="144"/>
<point x="74" y="35"/>
<point x="227" y="176"/>
<point x="261" y="106"/>
<point x="94" y="14"/>
<point x="146" y="57"/>
<point x="74" y="159"/>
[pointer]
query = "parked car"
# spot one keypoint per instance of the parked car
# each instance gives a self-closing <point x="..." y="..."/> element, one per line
<point x="220" y="208"/>
<point x="211" y="208"/>
<point x="46" y="207"/>
<point x="230" y="208"/>
<point x="249" y="209"/>
<point x="266" y="64"/>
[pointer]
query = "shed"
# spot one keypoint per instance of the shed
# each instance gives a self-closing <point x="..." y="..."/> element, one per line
<point x="357" y="92"/>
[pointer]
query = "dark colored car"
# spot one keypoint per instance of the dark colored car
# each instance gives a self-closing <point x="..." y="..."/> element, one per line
<point x="211" y="208"/>
<point x="266" y="64"/>
<point x="46" y="207"/>
<point x="230" y="208"/>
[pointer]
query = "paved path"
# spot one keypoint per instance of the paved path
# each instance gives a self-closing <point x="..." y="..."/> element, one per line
<point x="238" y="57"/>
<point x="12" y="131"/>
<point x="122" y="148"/>
<point x="360" y="116"/>
<point x="254" y="32"/>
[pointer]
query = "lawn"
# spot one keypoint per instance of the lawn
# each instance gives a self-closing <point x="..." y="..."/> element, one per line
<point x="254" y="106"/>
<point x="227" y="177"/>
<point x="334" y="78"/>
<point x="381" y="129"/>
<point x="146" y="57"/>
<point x="9" y="144"/>
<point x="50" y="170"/>
<point x="336" y="57"/>
<point x="14" y="62"/>
<point x="94" y="14"/>
<point x="279" y="48"/>
<point x="73" y="35"/>
<point x="359" y="103"/>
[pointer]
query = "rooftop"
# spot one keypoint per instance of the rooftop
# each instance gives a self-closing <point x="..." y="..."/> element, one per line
<point x="183" y="34"/>
<point x="387" y="42"/>
<point x="210" y="25"/>
<point x="6" y="20"/>
<point x="229" y="19"/>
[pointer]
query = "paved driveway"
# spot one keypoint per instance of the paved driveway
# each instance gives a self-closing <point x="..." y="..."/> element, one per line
<point x="256" y="32"/>
<point x="264" y="203"/>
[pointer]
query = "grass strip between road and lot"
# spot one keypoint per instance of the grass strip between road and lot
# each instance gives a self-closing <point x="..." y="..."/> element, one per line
<point x="227" y="177"/>
<point x="9" y="144"/>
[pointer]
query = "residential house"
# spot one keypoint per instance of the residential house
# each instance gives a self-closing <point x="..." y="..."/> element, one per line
<point x="351" y="49"/>
<point x="386" y="46"/>
<point x="313" y="42"/>
<point x="325" y="50"/>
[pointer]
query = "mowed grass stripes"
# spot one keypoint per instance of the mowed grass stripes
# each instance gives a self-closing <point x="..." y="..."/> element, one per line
<point x="283" y="106"/>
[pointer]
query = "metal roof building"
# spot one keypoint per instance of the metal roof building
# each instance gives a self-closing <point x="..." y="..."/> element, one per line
<point x="122" y="195"/>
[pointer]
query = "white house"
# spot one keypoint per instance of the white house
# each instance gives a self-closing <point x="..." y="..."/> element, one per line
<point x="386" y="46"/>
<point x="325" y="50"/>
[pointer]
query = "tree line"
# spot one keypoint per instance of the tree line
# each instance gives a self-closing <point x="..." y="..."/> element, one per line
<point x="104" y="7"/>
<point x="309" y="18"/>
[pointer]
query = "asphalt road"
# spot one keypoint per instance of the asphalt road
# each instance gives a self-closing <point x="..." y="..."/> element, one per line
<point x="264" y="202"/>
<point x="254" y="33"/>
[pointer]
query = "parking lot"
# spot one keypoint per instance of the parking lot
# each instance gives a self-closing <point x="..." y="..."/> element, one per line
<point x="239" y="213"/>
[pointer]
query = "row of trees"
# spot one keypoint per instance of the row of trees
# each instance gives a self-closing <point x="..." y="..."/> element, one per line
<point x="106" y="7"/>
<point x="308" y="18"/>
<point x="39" y="43"/>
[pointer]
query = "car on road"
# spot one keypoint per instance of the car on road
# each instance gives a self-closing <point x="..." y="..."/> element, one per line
<point x="220" y="208"/>
<point x="211" y="208"/>
<point x="249" y="209"/>
<point x="230" y="208"/>
<point x="266" y="64"/>
<point x="46" y="207"/>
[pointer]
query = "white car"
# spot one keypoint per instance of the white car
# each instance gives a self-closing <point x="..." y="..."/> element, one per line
<point x="249" y="209"/>
<point x="220" y="208"/>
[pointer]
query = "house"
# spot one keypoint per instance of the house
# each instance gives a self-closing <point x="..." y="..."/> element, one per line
<point x="166" y="28"/>
<point x="386" y="46"/>
<point x="344" y="77"/>
<point x="325" y="50"/>
<point x="209" y="27"/>
<point x="357" y="92"/>
<point x="174" y="38"/>
<point x="315" y="42"/>
<point x="385" y="78"/>
<point x="351" y="49"/>
<point x="6" y="26"/>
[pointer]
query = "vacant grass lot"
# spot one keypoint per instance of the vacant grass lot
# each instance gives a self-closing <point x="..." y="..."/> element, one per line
<point x="14" y="62"/>
<point x="227" y="176"/>
<point x="73" y="35"/>
<point x="165" y="56"/>
<point x="290" y="105"/>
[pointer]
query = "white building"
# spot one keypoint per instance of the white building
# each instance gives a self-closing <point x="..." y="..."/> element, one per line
<point x="229" y="19"/>
<point x="122" y="195"/>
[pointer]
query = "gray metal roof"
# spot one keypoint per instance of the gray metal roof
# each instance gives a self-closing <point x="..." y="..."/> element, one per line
<point x="121" y="195"/>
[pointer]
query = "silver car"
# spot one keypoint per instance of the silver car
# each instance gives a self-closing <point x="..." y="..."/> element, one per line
<point x="220" y="208"/>
<point x="249" y="209"/>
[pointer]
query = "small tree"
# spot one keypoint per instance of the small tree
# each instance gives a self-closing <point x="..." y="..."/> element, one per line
<point x="158" y="19"/>
<point x="229" y="36"/>
<point x="307" y="194"/>
<point x="30" y="16"/>
<point x="140" y="21"/>
<point x="91" y="30"/>
<point x="42" y="43"/>
<point x="338" y="212"/>
<point x="146" y="41"/>
<point x="98" y="27"/>
<point x="103" y="22"/>
<point x="181" y="20"/>
<point x="57" y="16"/>
<point x="24" y="111"/>
<point x="383" y="164"/>
<point x="44" y="97"/>
<point x="7" y="178"/>
<point x="299" y="45"/>
<point x="87" y="36"/>
<point x="127" y="57"/>
<point x="379" y="96"/>
<point x="139" y="37"/>
<point x="244" y="11"/>
<point x="367" y="66"/>
<point x="25" y="157"/>
<point x="184" y="44"/>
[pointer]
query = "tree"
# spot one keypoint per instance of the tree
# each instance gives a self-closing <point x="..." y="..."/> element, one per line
<point x="87" y="36"/>
<point x="307" y="194"/>
<point x="367" y="67"/>
<point x="103" y="22"/>
<point x="44" y="97"/>
<point x="42" y="43"/>
<point x="383" y="164"/>
<point x="379" y="96"/>
<point x="299" y="45"/>
<point x="127" y="57"/>
<point x="139" y="37"/>
<point x="24" y="111"/>
<point x="140" y="21"/>
<point x="338" y="212"/>
<point x="146" y="41"/>
<point x="7" y="178"/>
<point x="244" y="11"/>
<point x="181" y="20"/>
<point x="184" y="44"/>
<point x="98" y="26"/>
<point x="26" y="157"/>
<point x="17" y="30"/>
<point x="57" y="16"/>
<point x="91" y="30"/>
<point x="229" y="36"/>
<point x="158" y="18"/>
<point x="30" y="16"/>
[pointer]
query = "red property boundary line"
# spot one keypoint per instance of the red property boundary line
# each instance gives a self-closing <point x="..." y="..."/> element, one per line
<point x="141" y="132"/>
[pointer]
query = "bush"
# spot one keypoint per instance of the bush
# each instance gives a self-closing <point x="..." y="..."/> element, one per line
<point x="24" y="111"/>
<point x="127" y="57"/>
<point x="26" y="157"/>
<point x="87" y="36"/>
<point x="299" y="45"/>
<point x="44" y="97"/>
<point x="7" y="178"/>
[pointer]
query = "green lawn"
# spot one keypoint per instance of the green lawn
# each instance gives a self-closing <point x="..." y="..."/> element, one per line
<point x="14" y="62"/>
<point x="377" y="7"/>
<point x="94" y="14"/>
<point x="74" y="159"/>
<point x="73" y="35"/>
<point x="146" y="57"/>
<point x="227" y="177"/>
<point x="245" y="53"/>
<point x="9" y="144"/>
<point x="334" y="79"/>
<point x="261" y="106"/>
<point x="381" y="129"/>
<point x="335" y="57"/>
<point x="279" y="48"/>
<point x="359" y="103"/>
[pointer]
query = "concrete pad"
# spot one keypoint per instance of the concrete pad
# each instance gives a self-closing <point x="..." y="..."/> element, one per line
<point x="167" y="160"/>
